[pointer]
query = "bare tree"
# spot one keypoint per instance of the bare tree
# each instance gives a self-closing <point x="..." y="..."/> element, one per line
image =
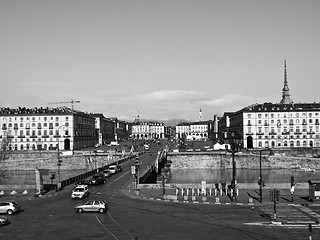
<point x="5" y="153"/>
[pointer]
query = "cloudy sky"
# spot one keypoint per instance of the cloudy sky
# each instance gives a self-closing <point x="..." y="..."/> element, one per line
<point x="162" y="59"/>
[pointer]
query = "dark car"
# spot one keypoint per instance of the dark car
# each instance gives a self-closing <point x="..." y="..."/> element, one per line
<point x="107" y="173"/>
<point x="81" y="182"/>
<point x="98" y="178"/>
<point x="119" y="168"/>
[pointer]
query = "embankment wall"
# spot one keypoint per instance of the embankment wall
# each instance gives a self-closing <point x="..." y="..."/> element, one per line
<point x="248" y="161"/>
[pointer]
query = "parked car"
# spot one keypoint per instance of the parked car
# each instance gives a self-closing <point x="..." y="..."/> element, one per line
<point x="9" y="207"/>
<point x="98" y="178"/>
<point x="81" y="182"/>
<point x="107" y="173"/>
<point x="4" y="221"/>
<point x="92" y="206"/>
<point x="81" y="191"/>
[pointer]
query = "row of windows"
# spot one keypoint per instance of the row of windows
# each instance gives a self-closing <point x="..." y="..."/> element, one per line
<point x="289" y="143"/>
<point x="285" y="121"/>
<point x="291" y="136"/>
<point x="27" y="125"/>
<point x="285" y="129"/>
<point x="23" y="133"/>
<point x="32" y="118"/>
<point x="272" y="115"/>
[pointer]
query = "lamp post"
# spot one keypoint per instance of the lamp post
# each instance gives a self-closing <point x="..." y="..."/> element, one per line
<point x="234" y="148"/>
<point x="59" y="161"/>
<point x="261" y="182"/>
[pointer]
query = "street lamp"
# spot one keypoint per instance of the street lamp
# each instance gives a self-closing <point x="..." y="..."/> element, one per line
<point x="234" y="148"/>
<point x="59" y="161"/>
<point x="261" y="182"/>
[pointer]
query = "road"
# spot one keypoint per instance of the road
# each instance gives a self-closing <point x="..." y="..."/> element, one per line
<point x="134" y="218"/>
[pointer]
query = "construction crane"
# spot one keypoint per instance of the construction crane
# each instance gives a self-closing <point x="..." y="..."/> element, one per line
<point x="72" y="103"/>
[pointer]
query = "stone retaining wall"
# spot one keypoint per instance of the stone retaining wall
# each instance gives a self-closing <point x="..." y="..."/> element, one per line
<point x="248" y="161"/>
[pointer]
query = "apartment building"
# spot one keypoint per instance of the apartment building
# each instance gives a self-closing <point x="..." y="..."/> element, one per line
<point x="47" y="128"/>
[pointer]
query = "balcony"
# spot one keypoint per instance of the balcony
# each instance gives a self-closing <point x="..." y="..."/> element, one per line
<point x="21" y="136"/>
<point x="297" y="133"/>
<point x="56" y="136"/>
<point x="45" y="136"/>
<point x="285" y="133"/>
<point x="310" y="132"/>
<point x="272" y="133"/>
<point x="4" y="128"/>
<point x="33" y="136"/>
<point x="260" y="133"/>
<point x="249" y="133"/>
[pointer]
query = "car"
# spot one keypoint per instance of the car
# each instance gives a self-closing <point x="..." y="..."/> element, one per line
<point x="119" y="168"/>
<point x="81" y="182"/>
<point x="81" y="191"/>
<point x="98" y="178"/>
<point x="92" y="206"/>
<point x="113" y="169"/>
<point x="4" y="221"/>
<point x="107" y="173"/>
<point x="9" y="207"/>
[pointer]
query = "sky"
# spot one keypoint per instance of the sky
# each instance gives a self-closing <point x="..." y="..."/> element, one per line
<point x="163" y="59"/>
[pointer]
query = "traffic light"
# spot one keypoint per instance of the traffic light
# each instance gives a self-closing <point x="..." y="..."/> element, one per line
<point x="277" y="194"/>
<point x="261" y="182"/>
<point x="292" y="181"/>
<point x="274" y="195"/>
<point x="271" y="195"/>
<point x="59" y="162"/>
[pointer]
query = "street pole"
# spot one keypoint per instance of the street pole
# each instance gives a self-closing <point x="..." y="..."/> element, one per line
<point x="260" y="177"/>
<point x="261" y="183"/>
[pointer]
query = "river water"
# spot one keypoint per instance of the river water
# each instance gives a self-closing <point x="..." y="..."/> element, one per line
<point x="242" y="176"/>
<point x="190" y="176"/>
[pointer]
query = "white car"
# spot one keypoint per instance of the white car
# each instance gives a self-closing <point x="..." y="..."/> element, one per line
<point x="113" y="169"/>
<point x="92" y="206"/>
<point x="81" y="191"/>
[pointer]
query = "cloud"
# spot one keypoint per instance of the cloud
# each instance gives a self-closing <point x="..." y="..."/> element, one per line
<point x="173" y="95"/>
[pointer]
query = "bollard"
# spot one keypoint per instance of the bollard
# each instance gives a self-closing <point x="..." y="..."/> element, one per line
<point x="177" y="191"/>
<point x="250" y="200"/>
<point x="182" y="191"/>
<point x="187" y="191"/>
<point x="217" y="200"/>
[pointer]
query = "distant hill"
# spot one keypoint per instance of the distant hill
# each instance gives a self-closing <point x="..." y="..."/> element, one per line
<point x="173" y="122"/>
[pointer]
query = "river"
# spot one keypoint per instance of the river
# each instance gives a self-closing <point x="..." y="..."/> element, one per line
<point x="242" y="176"/>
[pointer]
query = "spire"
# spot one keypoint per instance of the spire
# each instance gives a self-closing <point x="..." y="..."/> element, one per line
<point x="200" y="115"/>
<point x="285" y="90"/>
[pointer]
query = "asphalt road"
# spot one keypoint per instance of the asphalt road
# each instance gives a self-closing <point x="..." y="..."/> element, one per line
<point x="133" y="218"/>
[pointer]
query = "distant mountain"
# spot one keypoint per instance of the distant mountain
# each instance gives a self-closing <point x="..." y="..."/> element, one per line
<point x="173" y="122"/>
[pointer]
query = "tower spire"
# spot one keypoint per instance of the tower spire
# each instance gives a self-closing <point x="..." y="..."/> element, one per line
<point x="285" y="90"/>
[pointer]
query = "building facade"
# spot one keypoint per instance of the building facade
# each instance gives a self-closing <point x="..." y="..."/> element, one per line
<point x="149" y="130"/>
<point x="277" y="125"/>
<point x="47" y="129"/>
